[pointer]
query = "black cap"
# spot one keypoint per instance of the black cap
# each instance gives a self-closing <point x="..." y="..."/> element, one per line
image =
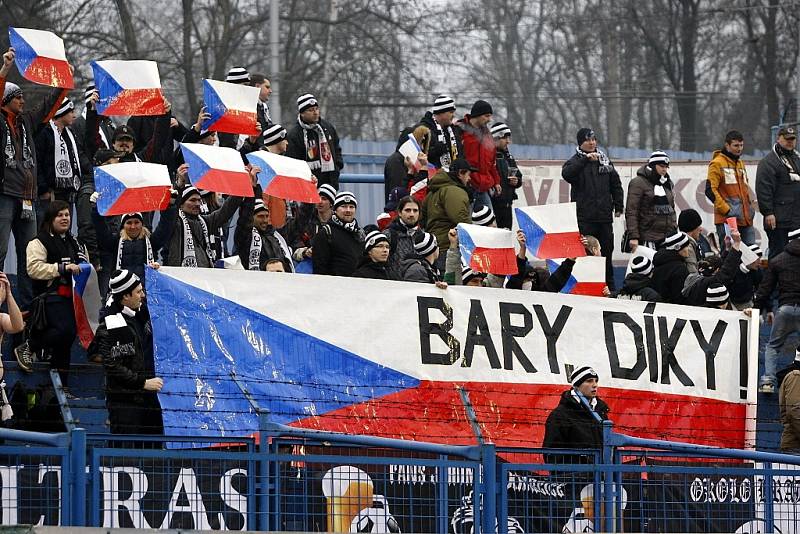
<point x="123" y="131"/>
<point x="481" y="107"/>
<point x="461" y="164"/>
<point x="688" y="220"/>
<point x="789" y="132"/>
<point x="103" y="155"/>
<point x="584" y="134"/>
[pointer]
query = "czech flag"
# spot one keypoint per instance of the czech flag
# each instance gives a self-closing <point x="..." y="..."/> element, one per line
<point x="551" y="230"/>
<point x="130" y="187"/>
<point x="487" y="250"/>
<point x="217" y="169"/>
<point x="283" y="177"/>
<point x="232" y="107"/>
<point x="128" y="88"/>
<point x="86" y="303"/>
<point x="588" y="276"/>
<point x="40" y="57"/>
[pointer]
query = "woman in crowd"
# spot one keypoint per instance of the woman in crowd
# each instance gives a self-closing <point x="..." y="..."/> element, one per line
<point x="650" y="212"/>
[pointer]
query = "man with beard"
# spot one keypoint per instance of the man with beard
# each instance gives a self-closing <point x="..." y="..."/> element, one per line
<point x="256" y="240"/>
<point x="400" y="234"/>
<point x="338" y="245"/>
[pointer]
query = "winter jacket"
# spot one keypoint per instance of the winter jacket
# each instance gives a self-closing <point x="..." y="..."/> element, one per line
<point x="419" y="270"/>
<point x="783" y="271"/>
<point x="645" y="218"/>
<point x="273" y="245"/>
<point x="18" y="174"/>
<point x="214" y="221"/>
<point x="695" y="285"/>
<point x="441" y="152"/>
<point x="297" y="150"/>
<point x="371" y="269"/>
<point x="506" y="167"/>
<point x="46" y="256"/>
<point x="446" y="205"/>
<point x="637" y="287"/>
<point x="744" y="285"/>
<point x="480" y="152"/>
<point x="789" y="404"/>
<point x="778" y="194"/>
<point x="669" y="274"/>
<point x="542" y="280"/>
<point x="572" y="426"/>
<point x="45" y="166"/>
<point x="337" y="251"/>
<point x="598" y="192"/>
<point x="727" y="178"/>
<point x="401" y="246"/>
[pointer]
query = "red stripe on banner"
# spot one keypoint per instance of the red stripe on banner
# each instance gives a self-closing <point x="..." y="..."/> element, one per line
<point x="494" y="260"/>
<point x="293" y="188"/>
<point x="52" y="72"/>
<point x="137" y="102"/>
<point x="590" y="289"/>
<point x="515" y="415"/>
<point x="84" y="329"/>
<point x="565" y="245"/>
<point x="236" y="122"/>
<point x="152" y="198"/>
<point x="228" y="182"/>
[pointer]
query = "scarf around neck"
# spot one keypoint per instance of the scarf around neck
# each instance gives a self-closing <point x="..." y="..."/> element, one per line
<point x="148" y="249"/>
<point x="256" y="243"/>
<point x="65" y="159"/>
<point x="350" y="227"/>
<point x="784" y="157"/>
<point x="189" y="252"/>
<point x="449" y="156"/>
<point x="322" y="159"/>
<point x="605" y="163"/>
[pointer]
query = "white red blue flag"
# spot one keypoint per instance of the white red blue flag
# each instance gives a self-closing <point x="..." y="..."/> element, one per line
<point x="128" y="87"/>
<point x="232" y="107"/>
<point x="86" y="302"/>
<point x="487" y="250"/>
<point x="588" y="276"/>
<point x="284" y="177"/>
<point x="551" y="230"/>
<point x="509" y="352"/>
<point x="218" y="169"/>
<point x="40" y="57"/>
<point x="131" y="186"/>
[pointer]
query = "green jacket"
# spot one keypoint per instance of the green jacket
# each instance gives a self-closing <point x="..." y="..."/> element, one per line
<point x="446" y="205"/>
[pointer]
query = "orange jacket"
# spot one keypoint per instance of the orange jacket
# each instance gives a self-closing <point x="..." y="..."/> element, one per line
<point x="728" y="181"/>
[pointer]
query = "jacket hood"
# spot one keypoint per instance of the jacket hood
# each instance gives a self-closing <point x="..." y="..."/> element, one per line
<point x="440" y="180"/>
<point x="665" y="256"/>
<point x="635" y="282"/>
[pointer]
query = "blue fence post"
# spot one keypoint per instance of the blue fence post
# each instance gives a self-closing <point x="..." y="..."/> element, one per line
<point x="608" y="479"/>
<point x="769" y="505"/>
<point x="78" y="473"/>
<point x="489" y="497"/>
<point x="263" y="485"/>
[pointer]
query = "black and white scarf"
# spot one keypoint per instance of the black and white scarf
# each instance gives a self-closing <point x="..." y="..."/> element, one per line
<point x="794" y="174"/>
<point x="661" y="204"/>
<point x="450" y="156"/>
<point x="148" y="248"/>
<point x="256" y="242"/>
<point x="189" y="252"/>
<point x="605" y="163"/>
<point x="219" y="236"/>
<point x="11" y="151"/>
<point x="323" y="159"/>
<point x="65" y="159"/>
<point x="352" y="226"/>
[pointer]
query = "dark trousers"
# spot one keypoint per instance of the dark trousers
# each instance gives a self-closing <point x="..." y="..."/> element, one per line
<point x="60" y="334"/>
<point x="604" y="232"/>
<point x="502" y="213"/>
<point x="139" y="416"/>
<point x="777" y="241"/>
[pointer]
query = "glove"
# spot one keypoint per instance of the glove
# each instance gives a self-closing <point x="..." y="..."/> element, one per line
<point x="93" y="197"/>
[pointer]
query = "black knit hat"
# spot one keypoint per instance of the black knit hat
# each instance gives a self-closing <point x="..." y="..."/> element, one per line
<point x="481" y="107"/>
<point x="188" y="192"/>
<point x="129" y="216"/>
<point x="579" y="376"/>
<point x="123" y="281"/>
<point x="584" y="134"/>
<point x="689" y="220"/>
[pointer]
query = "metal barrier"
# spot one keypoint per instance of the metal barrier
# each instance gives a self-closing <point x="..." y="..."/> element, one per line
<point x="290" y="479"/>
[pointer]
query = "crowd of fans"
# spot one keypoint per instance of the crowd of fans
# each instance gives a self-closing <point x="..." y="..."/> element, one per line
<point x="464" y="173"/>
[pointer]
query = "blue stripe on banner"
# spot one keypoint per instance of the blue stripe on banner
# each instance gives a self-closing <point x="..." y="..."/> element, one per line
<point x="267" y="173"/>
<point x="109" y="188"/>
<point x="24" y="52"/>
<point x="534" y="234"/>
<point x="552" y="265"/>
<point x="106" y="85"/>
<point x="465" y="245"/>
<point x="214" y="105"/>
<point x="198" y="167"/>
<point x="202" y="338"/>
<point x="305" y="267"/>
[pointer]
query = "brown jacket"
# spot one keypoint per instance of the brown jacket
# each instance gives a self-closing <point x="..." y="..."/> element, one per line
<point x="645" y="218"/>
<point x="731" y="188"/>
<point x="789" y="403"/>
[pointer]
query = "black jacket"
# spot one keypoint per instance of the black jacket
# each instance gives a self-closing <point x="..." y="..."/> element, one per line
<point x="669" y="274"/>
<point x="507" y="166"/>
<point x="45" y="166"/>
<point x="371" y="269"/>
<point x="337" y="251"/>
<point x="270" y="245"/>
<point x="695" y="293"/>
<point x="572" y="426"/>
<point x="598" y="192"/>
<point x="744" y="285"/>
<point x="441" y="145"/>
<point x="154" y="150"/>
<point x="784" y="272"/>
<point x="777" y="193"/>
<point x="549" y="283"/>
<point x="127" y="353"/>
<point x="637" y="287"/>
<point x="297" y="150"/>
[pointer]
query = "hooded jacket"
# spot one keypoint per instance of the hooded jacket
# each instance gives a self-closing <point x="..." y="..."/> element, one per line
<point x="783" y="272"/>
<point x="598" y="194"/>
<point x="481" y="153"/>
<point x="777" y="193"/>
<point x="727" y="178"/>
<point x="637" y="287"/>
<point x="572" y="426"/>
<point x="669" y="274"/>
<point x="645" y="218"/>
<point x="446" y="205"/>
